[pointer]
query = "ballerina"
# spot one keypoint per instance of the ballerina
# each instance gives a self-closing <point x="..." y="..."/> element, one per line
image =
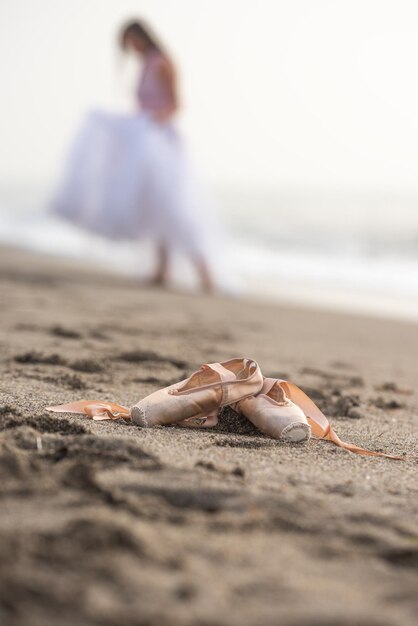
<point x="128" y="176"/>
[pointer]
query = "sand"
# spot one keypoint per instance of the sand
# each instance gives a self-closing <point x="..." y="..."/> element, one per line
<point x="109" y="524"/>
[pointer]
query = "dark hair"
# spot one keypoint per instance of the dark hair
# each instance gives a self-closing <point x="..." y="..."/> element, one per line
<point x="138" y="28"/>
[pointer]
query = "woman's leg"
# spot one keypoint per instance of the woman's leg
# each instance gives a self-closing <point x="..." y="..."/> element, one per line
<point x="204" y="273"/>
<point x="163" y="259"/>
<point x="161" y="273"/>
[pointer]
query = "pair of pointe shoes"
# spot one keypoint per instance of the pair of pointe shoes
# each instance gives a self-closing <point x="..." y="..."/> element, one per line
<point x="198" y="400"/>
<point x="276" y="407"/>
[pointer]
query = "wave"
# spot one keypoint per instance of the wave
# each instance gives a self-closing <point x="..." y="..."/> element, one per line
<point x="357" y="271"/>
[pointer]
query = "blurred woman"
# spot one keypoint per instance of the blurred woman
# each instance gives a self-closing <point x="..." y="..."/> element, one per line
<point x="129" y="177"/>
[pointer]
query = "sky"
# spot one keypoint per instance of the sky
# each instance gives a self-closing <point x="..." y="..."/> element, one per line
<point x="275" y="93"/>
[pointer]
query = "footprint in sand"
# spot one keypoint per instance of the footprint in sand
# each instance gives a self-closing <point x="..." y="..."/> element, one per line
<point x="386" y="405"/>
<point x="208" y="500"/>
<point x="393" y="387"/>
<point x="65" y="333"/>
<point x="346" y="380"/>
<point x="34" y="358"/>
<point x="144" y="356"/>
<point x="71" y="381"/>
<point x="10" y="417"/>
<point x="89" y="366"/>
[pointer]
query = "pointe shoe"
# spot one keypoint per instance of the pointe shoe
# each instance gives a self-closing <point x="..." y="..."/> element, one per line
<point x="295" y="417"/>
<point x="321" y="428"/>
<point x="197" y="400"/>
<point x="272" y="412"/>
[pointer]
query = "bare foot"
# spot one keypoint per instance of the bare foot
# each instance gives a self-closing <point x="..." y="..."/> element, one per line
<point x="158" y="280"/>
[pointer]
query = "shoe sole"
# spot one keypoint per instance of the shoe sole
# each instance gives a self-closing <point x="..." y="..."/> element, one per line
<point x="296" y="433"/>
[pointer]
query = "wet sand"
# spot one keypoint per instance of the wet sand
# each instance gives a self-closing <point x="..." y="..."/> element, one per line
<point x="106" y="524"/>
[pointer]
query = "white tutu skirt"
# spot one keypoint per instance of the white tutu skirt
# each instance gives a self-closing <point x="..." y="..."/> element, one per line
<point x="129" y="177"/>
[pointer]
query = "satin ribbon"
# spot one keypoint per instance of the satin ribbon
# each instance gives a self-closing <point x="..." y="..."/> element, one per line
<point x="320" y="425"/>
<point x="96" y="409"/>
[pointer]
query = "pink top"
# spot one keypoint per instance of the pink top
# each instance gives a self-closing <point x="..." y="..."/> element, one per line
<point x="153" y="94"/>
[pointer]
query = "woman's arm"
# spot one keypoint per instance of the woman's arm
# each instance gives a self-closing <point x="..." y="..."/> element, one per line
<point x="167" y="76"/>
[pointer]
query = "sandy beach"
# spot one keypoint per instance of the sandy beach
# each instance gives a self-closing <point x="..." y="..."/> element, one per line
<point x="108" y="524"/>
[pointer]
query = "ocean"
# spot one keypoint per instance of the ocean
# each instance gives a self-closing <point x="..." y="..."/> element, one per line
<point x="329" y="249"/>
